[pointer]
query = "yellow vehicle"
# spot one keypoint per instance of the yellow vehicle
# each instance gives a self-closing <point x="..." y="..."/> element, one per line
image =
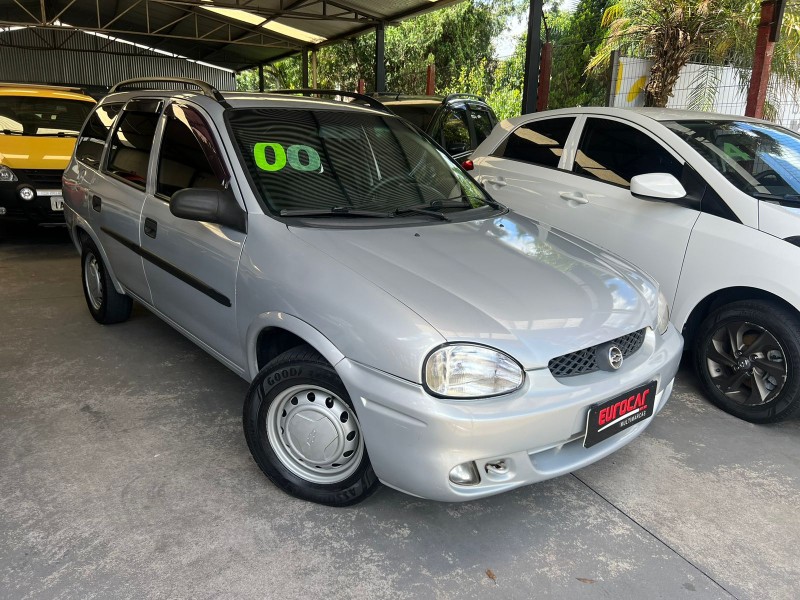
<point x="38" y="129"/>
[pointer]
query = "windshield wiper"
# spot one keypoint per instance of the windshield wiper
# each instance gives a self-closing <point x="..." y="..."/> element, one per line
<point x="422" y="209"/>
<point x="791" y="198"/>
<point x="336" y="211"/>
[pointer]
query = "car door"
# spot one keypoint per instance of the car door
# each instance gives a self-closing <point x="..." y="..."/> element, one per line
<point x="118" y="193"/>
<point x="191" y="266"/>
<point x="523" y="171"/>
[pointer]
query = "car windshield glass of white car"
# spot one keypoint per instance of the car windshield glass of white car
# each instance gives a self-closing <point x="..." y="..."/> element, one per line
<point x="759" y="159"/>
<point x="24" y="115"/>
<point x="316" y="163"/>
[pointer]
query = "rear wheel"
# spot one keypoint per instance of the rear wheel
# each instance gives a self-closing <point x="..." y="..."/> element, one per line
<point x="747" y="356"/>
<point x="105" y="303"/>
<point x="303" y="432"/>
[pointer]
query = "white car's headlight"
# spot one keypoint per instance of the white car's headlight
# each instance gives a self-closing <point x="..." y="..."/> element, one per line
<point x="470" y="371"/>
<point x="663" y="314"/>
<point x="7" y="174"/>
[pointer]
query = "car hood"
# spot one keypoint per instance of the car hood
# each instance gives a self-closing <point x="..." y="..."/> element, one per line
<point x="32" y="152"/>
<point x="506" y="282"/>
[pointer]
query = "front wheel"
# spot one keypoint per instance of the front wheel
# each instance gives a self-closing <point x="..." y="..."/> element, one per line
<point x="747" y="356"/>
<point x="303" y="432"/>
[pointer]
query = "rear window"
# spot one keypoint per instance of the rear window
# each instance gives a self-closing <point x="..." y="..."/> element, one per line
<point x="326" y="159"/>
<point x="95" y="132"/>
<point x="31" y="115"/>
<point x="417" y="114"/>
<point x="539" y="142"/>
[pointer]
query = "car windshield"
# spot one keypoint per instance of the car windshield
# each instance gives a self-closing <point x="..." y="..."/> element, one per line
<point x="357" y="163"/>
<point x="760" y="159"/>
<point x="29" y="115"/>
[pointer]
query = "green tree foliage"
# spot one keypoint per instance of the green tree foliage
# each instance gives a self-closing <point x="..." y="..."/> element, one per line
<point x="672" y="32"/>
<point x="575" y="37"/>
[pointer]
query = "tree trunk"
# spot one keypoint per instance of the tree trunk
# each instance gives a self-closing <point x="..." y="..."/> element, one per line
<point x="673" y="53"/>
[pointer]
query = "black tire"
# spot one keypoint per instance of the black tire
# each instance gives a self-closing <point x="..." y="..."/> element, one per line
<point x="106" y="305"/>
<point x="282" y="386"/>
<point x="764" y="333"/>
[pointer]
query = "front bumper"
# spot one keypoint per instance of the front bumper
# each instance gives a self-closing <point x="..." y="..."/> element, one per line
<point x="414" y="439"/>
<point x="38" y="210"/>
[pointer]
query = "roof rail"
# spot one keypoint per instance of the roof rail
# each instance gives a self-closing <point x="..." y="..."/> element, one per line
<point x="369" y="100"/>
<point x="456" y="96"/>
<point x="208" y="90"/>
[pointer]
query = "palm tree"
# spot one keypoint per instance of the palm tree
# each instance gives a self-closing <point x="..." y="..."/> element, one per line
<point x="671" y="32"/>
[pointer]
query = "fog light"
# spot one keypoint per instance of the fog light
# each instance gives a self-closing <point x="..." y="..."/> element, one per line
<point x="465" y="474"/>
<point x="27" y="194"/>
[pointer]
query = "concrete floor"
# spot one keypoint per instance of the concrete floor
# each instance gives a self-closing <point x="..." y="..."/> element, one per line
<point x="124" y="474"/>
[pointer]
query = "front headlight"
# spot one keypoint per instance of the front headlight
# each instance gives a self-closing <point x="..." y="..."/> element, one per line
<point x="470" y="371"/>
<point x="663" y="314"/>
<point x="7" y="174"/>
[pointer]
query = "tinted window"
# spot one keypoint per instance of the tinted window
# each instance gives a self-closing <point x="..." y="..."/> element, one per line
<point x="455" y="131"/>
<point x="184" y="160"/>
<point x="540" y="142"/>
<point x="95" y="133"/>
<point x="130" y="146"/>
<point x="483" y="122"/>
<point x="327" y="159"/>
<point x="29" y="115"/>
<point x="418" y="113"/>
<point x="615" y="153"/>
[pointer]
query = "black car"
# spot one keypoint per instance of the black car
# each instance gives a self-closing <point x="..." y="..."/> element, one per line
<point x="458" y="122"/>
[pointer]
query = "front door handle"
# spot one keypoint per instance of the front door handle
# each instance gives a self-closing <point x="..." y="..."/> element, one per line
<point x="575" y="197"/>
<point x="150" y="227"/>
<point x="496" y="181"/>
<point x="97" y="203"/>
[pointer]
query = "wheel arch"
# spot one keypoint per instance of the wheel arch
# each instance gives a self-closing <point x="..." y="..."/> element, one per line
<point x="719" y="298"/>
<point x="273" y="333"/>
<point x="83" y="232"/>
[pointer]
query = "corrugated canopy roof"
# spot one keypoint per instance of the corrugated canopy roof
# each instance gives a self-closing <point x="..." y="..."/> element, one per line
<point x="235" y="34"/>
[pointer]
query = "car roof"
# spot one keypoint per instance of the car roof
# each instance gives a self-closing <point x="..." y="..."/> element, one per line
<point x="246" y="100"/>
<point x="43" y="91"/>
<point x="656" y="114"/>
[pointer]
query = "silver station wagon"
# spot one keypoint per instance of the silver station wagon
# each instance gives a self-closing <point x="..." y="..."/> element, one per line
<point x="397" y="324"/>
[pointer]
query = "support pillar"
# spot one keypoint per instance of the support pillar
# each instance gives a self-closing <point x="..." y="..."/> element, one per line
<point x="532" y="55"/>
<point x="304" y="68"/>
<point x="543" y="91"/>
<point x="430" y="81"/>
<point x="260" y="78"/>
<point x="768" y="31"/>
<point x="314" y="73"/>
<point x="380" y="62"/>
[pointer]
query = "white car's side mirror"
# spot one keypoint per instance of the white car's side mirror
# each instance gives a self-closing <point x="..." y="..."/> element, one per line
<point x="658" y="186"/>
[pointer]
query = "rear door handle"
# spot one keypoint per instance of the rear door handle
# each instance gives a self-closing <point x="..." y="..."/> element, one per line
<point x="97" y="203"/>
<point x="575" y="197"/>
<point x="498" y="181"/>
<point x="150" y="227"/>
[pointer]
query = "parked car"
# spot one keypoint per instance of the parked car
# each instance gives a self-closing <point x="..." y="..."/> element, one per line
<point x="38" y="128"/>
<point x="707" y="204"/>
<point x="458" y="122"/>
<point x="397" y="324"/>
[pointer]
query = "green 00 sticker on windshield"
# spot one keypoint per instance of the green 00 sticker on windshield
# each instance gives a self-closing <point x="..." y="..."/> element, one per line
<point x="260" y="156"/>
<point x="299" y="157"/>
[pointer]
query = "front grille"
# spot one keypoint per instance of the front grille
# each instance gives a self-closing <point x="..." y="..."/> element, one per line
<point x="45" y="179"/>
<point x="585" y="361"/>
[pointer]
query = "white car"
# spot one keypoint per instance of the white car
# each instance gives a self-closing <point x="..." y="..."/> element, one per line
<point x="707" y="204"/>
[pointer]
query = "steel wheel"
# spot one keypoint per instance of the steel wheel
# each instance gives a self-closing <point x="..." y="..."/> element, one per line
<point x="314" y="434"/>
<point x="746" y="363"/>
<point x="93" y="281"/>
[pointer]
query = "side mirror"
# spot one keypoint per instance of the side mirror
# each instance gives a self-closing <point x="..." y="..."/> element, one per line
<point x="211" y="206"/>
<point x="657" y="186"/>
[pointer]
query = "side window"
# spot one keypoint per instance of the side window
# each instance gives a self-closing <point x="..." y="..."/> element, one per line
<point x="131" y="143"/>
<point x="188" y="158"/>
<point x="615" y="153"/>
<point x="93" y="138"/>
<point x="539" y="142"/>
<point x="455" y="131"/>
<point x="482" y="121"/>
